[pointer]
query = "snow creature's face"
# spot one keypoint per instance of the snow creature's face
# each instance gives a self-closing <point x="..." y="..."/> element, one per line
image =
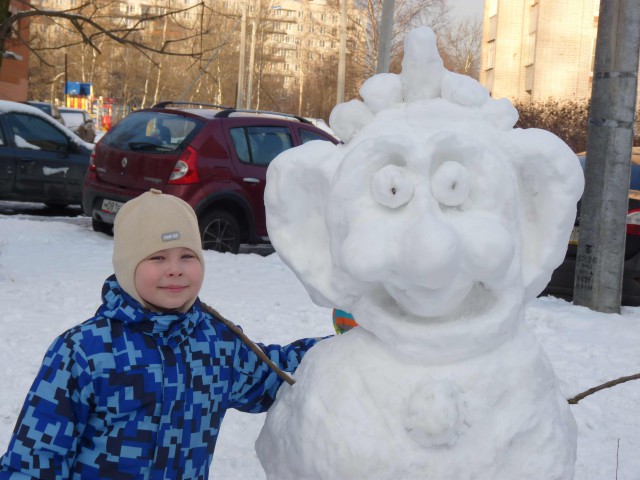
<point x="435" y="220"/>
<point x="421" y="224"/>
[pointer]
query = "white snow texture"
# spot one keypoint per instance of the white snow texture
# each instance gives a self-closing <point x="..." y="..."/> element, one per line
<point x="433" y="224"/>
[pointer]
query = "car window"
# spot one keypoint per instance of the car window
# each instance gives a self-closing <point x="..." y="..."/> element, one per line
<point x="308" y="136"/>
<point x="239" y="138"/>
<point x="260" y="145"/>
<point x="35" y="133"/>
<point x="42" y="106"/>
<point x="72" y="119"/>
<point x="2" y="140"/>
<point x="152" y="132"/>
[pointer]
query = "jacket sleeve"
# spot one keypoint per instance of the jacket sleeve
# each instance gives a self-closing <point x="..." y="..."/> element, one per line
<point x="45" y="438"/>
<point x="255" y="384"/>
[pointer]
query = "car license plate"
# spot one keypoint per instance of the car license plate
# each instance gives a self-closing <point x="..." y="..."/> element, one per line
<point x="573" y="239"/>
<point x="111" y="206"/>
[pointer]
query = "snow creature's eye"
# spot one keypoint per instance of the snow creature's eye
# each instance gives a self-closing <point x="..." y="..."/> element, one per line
<point x="392" y="186"/>
<point x="451" y="183"/>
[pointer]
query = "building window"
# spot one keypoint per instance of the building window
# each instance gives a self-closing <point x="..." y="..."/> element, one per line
<point x="492" y="8"/>
<point x="491" y="55"/>
<point x="529" y="48"/>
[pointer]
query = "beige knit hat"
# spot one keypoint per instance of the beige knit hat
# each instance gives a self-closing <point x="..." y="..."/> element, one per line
<point x="147" y="224"/>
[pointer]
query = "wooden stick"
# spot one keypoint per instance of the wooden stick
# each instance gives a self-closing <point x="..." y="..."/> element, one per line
<point x="612" y="383"/>
<point x="256" y="349"/>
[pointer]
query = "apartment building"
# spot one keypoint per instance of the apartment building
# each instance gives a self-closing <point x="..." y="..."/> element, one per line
<point x="292" y="43"/>
<point x="539" y="49"/>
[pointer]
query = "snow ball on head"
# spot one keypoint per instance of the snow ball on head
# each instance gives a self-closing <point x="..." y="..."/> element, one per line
<point x="147" y="224"/>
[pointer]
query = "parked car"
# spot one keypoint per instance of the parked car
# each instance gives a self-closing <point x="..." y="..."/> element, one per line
<point x="80" y="122"/>
<point x="561" y="284"/>
<point x="48" y="108"/>
<point x="40" y="159"/>
<point x="215" y="158"/>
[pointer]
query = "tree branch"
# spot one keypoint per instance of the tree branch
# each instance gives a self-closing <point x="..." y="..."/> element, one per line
<point x="118" y="35"/>
<point x="612" y="383"/>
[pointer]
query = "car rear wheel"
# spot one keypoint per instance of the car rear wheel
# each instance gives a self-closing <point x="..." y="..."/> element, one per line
<point x="102" y="227"/>
<point x="220" y="232"/>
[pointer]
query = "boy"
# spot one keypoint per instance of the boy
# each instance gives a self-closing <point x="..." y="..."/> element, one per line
<point x="140" y="389"/>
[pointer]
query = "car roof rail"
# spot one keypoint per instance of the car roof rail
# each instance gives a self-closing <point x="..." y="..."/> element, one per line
<point x="199" y="104"/>
<point x="228" y="111"/>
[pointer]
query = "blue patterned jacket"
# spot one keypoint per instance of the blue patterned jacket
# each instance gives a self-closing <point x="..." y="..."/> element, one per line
<point x="130" y="394"/>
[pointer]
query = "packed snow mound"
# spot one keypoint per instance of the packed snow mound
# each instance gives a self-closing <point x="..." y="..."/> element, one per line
<point x="433" y="224"/>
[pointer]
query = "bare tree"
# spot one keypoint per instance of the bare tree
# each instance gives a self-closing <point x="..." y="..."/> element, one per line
<point x="459" y="46"/>
<point x="92" y="22"/>
<point x="408" y="14"/>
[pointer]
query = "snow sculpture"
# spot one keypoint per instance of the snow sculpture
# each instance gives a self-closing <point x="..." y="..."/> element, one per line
<point x="434" y="223"/>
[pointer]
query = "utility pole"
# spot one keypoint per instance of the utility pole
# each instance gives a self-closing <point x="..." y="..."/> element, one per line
<point x="384" y="36"/>
<point x="342" y="52"/>
<point x="252" y="58"/>
<point x="600" y="259"/>
<point x="243" y="43"/>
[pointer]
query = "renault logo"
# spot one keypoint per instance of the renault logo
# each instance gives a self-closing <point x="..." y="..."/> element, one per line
<point x="124" y="162"/>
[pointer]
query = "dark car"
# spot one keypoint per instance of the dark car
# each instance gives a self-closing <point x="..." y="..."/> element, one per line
<point x="80" y="122"/>
<point x="48" y="108"/>
<point x="215" y="158"/>
<point x="561" y="284"/>
<point x="40" y="160"/>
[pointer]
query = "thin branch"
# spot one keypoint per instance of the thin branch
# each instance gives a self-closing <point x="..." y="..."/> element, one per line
<point x="612" y="383"/>
<point x="257" y="350"/>
<point x="118" y="35"/>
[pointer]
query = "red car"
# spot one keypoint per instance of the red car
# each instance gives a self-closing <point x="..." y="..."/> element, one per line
<point x="214" y="158"/>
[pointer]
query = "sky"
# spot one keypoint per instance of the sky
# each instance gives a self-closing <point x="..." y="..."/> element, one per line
<point x="465" y="8"/>
<point x="435" y="223"/>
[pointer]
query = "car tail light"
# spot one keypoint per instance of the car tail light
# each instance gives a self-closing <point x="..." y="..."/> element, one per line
<point x="633" y="222"/>
<point x="92" y="160"/>
<point x="184" y="171"/>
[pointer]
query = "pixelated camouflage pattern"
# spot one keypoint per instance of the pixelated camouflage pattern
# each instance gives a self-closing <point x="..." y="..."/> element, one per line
<point x="132" y="394"/>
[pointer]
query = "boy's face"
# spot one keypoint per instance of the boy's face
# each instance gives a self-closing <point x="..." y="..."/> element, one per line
<point x="169" y="278"/>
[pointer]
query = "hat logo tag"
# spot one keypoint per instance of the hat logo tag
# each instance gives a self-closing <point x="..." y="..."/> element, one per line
<point x="170" y="236"/>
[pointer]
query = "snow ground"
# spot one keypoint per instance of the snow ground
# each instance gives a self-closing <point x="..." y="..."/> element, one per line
<point x="51" y="273"/>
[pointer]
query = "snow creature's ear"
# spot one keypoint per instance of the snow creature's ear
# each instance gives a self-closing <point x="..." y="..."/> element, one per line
<point x="550" y="182"/>
<point x="298" y="184"/>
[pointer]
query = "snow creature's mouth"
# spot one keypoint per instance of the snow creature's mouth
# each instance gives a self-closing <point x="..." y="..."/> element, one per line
<point x="419" y="304"/>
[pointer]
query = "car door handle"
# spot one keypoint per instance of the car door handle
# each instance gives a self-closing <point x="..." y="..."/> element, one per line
<point x="250" y="180"/>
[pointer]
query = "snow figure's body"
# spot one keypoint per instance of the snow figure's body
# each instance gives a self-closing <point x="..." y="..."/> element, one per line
<point x="434" y="223"/>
